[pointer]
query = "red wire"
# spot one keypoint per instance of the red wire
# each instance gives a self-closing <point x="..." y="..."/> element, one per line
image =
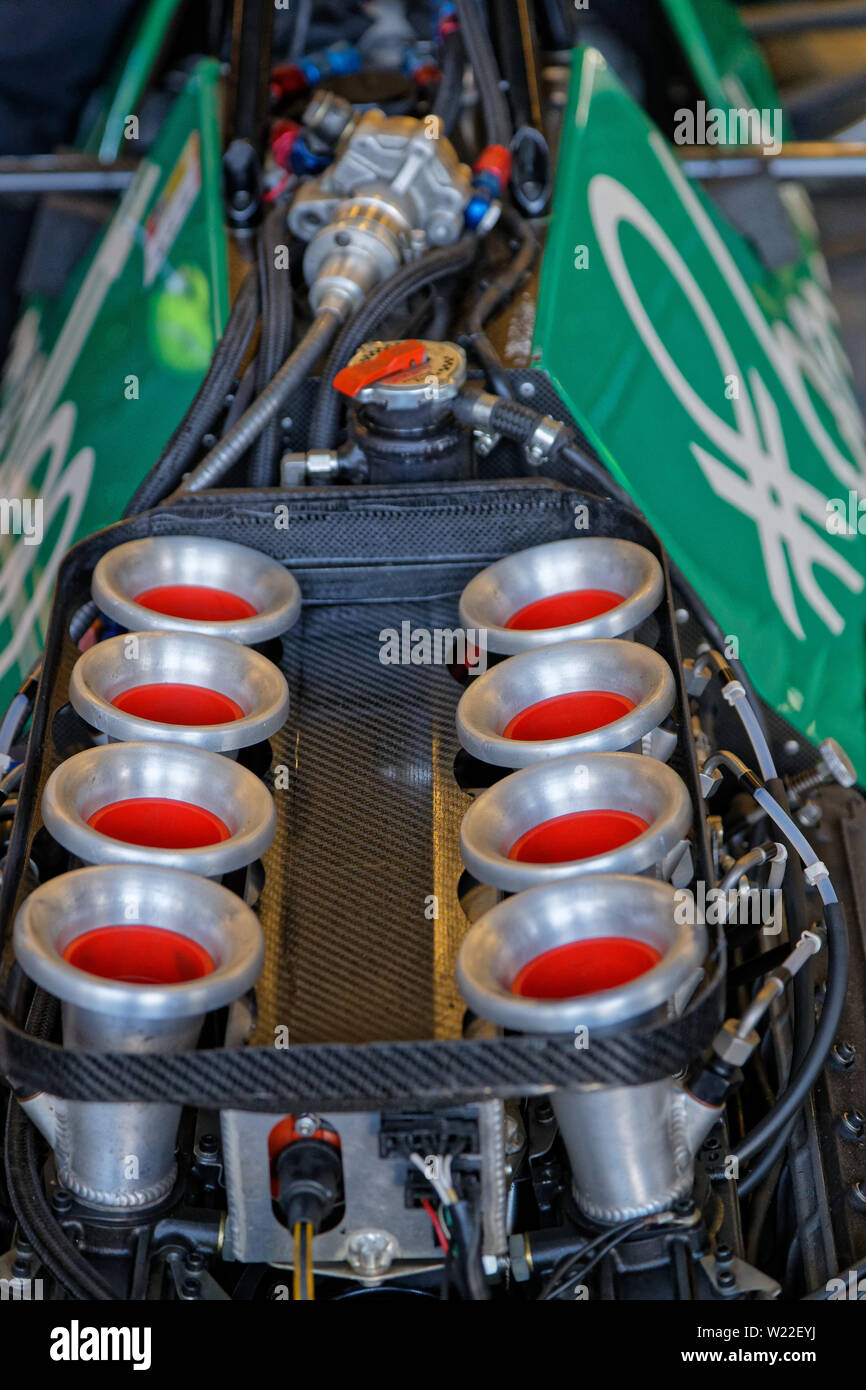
<point x="437" y="1224"/>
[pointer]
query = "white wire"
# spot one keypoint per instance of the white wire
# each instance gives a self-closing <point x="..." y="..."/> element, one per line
<point x="440" y="1188"/>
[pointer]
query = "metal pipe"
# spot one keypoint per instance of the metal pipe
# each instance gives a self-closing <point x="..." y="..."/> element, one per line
<point x="799" y="160"/>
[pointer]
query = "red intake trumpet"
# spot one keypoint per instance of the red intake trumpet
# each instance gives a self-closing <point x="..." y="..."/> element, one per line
<point x="193" y="584"/>
<point x="180" y="688"/>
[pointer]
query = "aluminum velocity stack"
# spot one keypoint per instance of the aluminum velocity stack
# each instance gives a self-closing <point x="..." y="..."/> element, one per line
<point x="597" y="696"/>
<point x="590" y="587"/>
<point x="595" y="813"/>
<point x="196" y="584"/>
<point x="137" y="956"/>
<point x="159" y="803"/>
<point x="179" y="688"/>
<point x="602" y="955"/>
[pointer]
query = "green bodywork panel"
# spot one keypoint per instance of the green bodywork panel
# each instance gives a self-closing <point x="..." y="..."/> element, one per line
<point x="727" y="64"/>
<point x="718" y="393"/>
<point x="97" y="380"/>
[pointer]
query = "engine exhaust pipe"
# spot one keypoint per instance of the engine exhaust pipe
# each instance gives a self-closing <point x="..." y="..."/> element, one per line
<point x="597" y="696"/>
<point x="179" y="688"/>
<point x="194" y="584"/>
<point x="137" y="956"/>
<point x="159" y="803"/>
<point x="596" y="813"/>
<point x="592" y="957"/>
<point x="591" y="587"/>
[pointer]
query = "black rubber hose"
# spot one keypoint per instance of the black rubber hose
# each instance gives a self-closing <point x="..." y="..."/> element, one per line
<point x="805" y="1076"/>
<point x="497" y="294"/>
<point x="29" y="1203"/>
<point x="446" y="105"/>
<point x="441" y="264"/>
<point x="503" y="287"/>
<point x="275" y="292"/>
<point x="482" y="59"/>
<point x="241" y="436"/>
<point x="208" y="402"/>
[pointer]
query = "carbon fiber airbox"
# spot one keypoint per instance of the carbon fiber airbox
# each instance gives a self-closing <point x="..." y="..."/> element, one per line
<point x="359" y="902"/>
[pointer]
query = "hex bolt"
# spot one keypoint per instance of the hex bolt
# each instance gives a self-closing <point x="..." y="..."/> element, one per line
<point x="195" y="1261"/>
<point x="190" y="1288"/>
<point x="724" y="1254"/>
<point x="371" y="1252"/>
<point x="834" y="765"/>
<point x="853" y="1124"/>
<point x="208" y="1145"/>
<point x="843" y="1054"/>
<point x="726" y="1279"/>
<point x="62" y="1200"/>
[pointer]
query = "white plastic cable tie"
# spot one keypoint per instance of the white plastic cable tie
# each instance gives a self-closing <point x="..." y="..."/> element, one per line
<point x="813" y="873"/>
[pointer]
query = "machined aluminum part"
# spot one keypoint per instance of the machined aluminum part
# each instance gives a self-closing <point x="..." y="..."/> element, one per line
<point x="122" y="663"/>
<point x="374" y="1188"/>
<point x="102" y="776"/>
<point x="135" y="567"/>
<point x="631" y="1148"/>
<point x="557" y="567"/>
<point x="628" y="782"/>
<point x="121" y="1155"/>
<point x="391" y="190"/>
<point x="492" y="700"/>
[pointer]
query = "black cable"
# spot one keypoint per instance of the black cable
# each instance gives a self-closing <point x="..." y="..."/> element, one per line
<point x="793" y="892"/>
<point x="275" y="293"/>
<point x="596" y="1249"/>
<point x="207" y="405"/>
<point x="29" y="1203"/>
<point x="235" y="443"/>
<point x="446" y="104"/>
<point x="803" y="1079"/>
<point x="441" y="264"/>
<point x="482" y="59"/>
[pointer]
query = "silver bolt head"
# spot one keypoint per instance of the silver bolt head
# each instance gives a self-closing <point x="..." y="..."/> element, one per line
<point x="837" y="762"/>
<point x="371" y="1252"/>
<point x="306" y="1124"/>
